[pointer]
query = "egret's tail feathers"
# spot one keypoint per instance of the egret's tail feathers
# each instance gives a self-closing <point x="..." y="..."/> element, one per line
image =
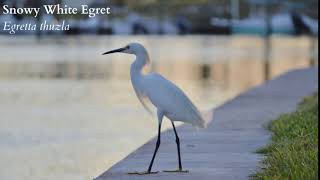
<point x="207" y="117"/>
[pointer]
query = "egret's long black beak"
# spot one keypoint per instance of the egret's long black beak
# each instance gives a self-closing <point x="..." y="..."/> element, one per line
<point x="114" y="51"/>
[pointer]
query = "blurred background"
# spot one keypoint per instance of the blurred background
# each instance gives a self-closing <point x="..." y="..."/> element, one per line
<point x="69" y="113"/>
<point x="224" y="17"/>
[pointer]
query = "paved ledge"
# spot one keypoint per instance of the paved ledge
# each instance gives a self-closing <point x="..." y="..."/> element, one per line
<point x="225" y="150"/>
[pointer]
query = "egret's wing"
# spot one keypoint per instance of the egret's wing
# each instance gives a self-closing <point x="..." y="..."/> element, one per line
<point x="144" y="101"/>
<point x="171" y="99"/>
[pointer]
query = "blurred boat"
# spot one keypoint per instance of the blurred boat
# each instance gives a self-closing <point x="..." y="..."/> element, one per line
<point x="280" y="24"/>
<point x="6" y="18"/>
<point x="50" y="20"/>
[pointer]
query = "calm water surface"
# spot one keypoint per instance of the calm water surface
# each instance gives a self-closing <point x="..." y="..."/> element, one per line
<point x="69" y="113"/>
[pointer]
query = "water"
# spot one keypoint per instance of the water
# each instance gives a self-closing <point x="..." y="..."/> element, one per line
<point x="69" y="113"/>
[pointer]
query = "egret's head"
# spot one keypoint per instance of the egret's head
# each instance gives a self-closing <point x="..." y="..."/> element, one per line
<point x="132" y="48"/>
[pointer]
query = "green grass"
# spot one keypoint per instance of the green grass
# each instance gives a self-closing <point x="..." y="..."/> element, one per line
<point x="293" y="152"/>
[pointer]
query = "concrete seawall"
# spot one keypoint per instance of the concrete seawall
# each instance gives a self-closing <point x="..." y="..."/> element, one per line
<point x="225" y="150"/>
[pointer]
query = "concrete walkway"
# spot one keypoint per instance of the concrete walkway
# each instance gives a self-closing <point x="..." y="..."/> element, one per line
<point x="226" y="149"/>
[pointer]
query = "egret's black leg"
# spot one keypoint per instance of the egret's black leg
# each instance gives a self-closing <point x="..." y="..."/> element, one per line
<point x="179" y="154"/>
<point x="160" y="116"/>
<point x="178" y="145"/>
<point x="156" y="149"/>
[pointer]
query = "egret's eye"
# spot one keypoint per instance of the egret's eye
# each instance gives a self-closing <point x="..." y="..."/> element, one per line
<point x="128" y="47"/>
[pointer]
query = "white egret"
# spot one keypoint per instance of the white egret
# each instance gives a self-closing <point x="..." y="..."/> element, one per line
<point x="169" y="100"/>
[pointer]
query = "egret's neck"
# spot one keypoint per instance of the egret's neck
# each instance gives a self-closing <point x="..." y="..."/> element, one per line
<point x="140" y="62"/>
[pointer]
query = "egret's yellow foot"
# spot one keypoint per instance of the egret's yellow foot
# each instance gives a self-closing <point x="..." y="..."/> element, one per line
<point x="143" y="172"/>
<point x="176" y="171"/>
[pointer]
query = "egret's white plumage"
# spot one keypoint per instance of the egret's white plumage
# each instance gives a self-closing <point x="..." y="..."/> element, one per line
<point x="171" y="100"/>
<point x="168" y="99"/>
<point x="162" y="93"/>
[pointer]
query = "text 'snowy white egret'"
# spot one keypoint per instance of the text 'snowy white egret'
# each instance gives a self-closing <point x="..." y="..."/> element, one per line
<point x="169" y="100"/>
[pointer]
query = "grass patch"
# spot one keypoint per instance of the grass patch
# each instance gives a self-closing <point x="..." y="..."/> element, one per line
<point x="293" y="152"/>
